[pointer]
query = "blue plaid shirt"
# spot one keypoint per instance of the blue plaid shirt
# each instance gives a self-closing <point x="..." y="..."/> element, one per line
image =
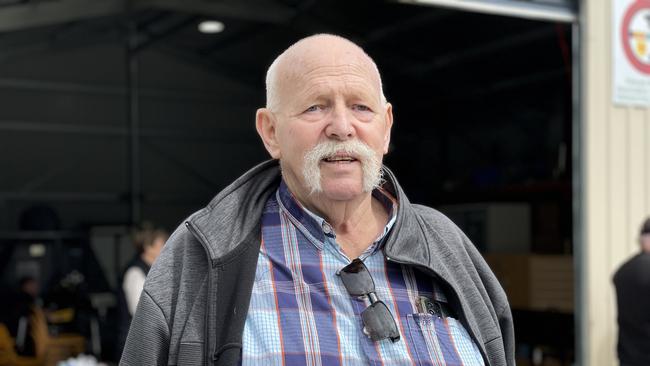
<point x="301" y="314"/>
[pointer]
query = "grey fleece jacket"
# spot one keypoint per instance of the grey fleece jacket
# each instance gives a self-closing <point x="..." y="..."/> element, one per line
<point x="195" y="299"/>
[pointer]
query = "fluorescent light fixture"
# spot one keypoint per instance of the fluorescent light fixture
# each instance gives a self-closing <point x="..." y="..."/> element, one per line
<point x="37" y="250"/>
<point x="522" y="9"/>
<point x="211" y="26"/>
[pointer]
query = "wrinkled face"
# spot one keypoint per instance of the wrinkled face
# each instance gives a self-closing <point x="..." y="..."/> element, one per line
<point x="326" y="110"/>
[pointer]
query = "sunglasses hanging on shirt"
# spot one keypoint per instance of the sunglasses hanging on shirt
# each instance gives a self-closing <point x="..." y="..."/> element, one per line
<point x="378" y="322"/>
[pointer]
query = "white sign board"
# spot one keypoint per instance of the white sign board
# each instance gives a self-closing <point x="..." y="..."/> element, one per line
<point x="631" y="49"/>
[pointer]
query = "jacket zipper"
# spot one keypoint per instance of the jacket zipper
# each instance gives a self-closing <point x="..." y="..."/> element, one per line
<point x="462" y="310"/>
<point x="206" y="330"/>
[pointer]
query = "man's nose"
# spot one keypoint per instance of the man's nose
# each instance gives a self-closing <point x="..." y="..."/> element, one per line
<point x="340" y="124"/>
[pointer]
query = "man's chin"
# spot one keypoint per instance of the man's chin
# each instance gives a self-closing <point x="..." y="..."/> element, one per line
<point x="342" y="191"/>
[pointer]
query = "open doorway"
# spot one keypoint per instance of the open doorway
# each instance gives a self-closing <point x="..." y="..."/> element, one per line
<point x="488" y="104"/>
<point x="483" y="125"/>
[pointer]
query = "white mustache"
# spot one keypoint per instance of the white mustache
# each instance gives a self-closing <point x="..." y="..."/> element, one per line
<point x="370" y="164"/>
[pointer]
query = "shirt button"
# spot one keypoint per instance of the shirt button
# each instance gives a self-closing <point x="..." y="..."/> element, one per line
<point x="327" y="229"/>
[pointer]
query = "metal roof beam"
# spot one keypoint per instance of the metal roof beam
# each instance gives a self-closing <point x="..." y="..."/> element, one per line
<point x="45" y="13"/>
<point x="454" y="58"/>
<point x="404" y="25"/>
<point x="257" y="11"/>
<point x="233" y="73"/>
<point x="206" y="96"/>
<point x="222" y="137"/>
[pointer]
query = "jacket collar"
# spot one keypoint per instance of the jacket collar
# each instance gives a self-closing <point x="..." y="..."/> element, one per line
<point x="425" y="238"/>
<point x="232" y="218"/>
<point x="405" y="242"/>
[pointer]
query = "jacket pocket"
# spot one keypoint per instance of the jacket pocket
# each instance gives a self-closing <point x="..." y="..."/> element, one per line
<point x="190" y="354"/>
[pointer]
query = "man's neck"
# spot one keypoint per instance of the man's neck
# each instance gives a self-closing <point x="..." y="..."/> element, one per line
<point x="357" y="223"/>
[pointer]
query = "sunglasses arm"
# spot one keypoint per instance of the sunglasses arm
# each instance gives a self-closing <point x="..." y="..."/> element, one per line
<point x="372" y="297"/>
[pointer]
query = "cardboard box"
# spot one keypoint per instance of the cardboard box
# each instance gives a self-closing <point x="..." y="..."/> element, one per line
<point x="535" y="282"/>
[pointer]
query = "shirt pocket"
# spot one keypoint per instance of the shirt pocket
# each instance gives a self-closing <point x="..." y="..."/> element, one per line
<point x="441" y="341"/>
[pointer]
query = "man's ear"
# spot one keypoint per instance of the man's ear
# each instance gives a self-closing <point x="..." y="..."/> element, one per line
<point x="266" y="127"/>
<point x="388" y="120"/>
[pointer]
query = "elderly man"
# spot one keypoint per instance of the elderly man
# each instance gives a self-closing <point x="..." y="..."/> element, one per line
<point x="317" y="257"/>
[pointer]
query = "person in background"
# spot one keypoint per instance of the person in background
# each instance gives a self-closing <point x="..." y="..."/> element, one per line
<point x="148" y="241"/>
<point x="24" y="333"/>
<point x="632" y="282"/>
<point x="31" y="331"/>
<point x="29" y="287"/>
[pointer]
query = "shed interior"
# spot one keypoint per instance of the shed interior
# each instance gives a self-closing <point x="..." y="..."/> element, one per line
<point x="112" y="115"/>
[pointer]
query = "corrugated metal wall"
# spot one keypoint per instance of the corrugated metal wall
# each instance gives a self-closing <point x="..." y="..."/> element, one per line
<point x="616" y="168"/>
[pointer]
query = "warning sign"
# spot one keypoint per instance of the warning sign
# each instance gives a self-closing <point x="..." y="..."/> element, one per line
<point x="631" y="48"/>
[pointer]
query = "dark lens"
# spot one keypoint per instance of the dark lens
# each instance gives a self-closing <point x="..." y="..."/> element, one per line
<point x="355" y="267"/>
<point x="379" y="322"/>
<point x="356" y="278"/>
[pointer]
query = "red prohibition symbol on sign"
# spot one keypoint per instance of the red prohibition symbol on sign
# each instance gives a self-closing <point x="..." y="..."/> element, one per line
<point x="635" y="35"/>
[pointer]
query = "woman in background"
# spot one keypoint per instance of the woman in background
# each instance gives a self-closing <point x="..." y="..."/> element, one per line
<point x="148" y="241"/>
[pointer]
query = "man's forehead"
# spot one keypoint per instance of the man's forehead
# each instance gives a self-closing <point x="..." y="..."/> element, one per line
<point x="294" y="69"/>
<point x="323" y="73"/>
<point x="325" y="83"/>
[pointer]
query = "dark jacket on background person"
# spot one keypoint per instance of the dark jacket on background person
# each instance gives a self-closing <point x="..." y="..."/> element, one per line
<point x="24" y="310"/>
<point x="195" y="300"/>
<point x="632" y="281"/>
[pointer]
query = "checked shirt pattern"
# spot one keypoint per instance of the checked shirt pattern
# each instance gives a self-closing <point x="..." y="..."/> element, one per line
<point x="301" y="314"/>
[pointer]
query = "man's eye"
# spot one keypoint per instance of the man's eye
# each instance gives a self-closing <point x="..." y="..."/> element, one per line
<point x="361" y="107"/>
<point x="314" y="108"/>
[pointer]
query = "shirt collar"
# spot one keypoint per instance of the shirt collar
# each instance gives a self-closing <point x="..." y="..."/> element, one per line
<point x="316" y="228"/>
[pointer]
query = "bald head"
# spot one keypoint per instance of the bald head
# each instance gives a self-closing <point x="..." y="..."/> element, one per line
<point x="322" y="50"/>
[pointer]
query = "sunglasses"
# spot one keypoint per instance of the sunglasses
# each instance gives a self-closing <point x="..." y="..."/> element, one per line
<point x="377" y="320"/>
